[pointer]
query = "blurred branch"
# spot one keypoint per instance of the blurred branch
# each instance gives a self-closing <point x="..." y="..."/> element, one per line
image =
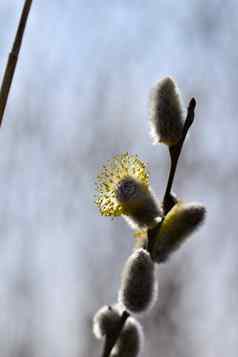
<point x="111" y="340"/>
<point x="12" y="59"/>
<point x="175" y="150"/>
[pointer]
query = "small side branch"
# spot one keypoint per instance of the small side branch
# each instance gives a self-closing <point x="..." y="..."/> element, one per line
<point x="12" y="59"/>
<point x="111" y="340"/>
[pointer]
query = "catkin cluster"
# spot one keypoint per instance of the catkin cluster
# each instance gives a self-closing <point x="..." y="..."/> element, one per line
<point x="137" y="294"/>
<point x="123" y="189"/>
<point x="106" y="323"/>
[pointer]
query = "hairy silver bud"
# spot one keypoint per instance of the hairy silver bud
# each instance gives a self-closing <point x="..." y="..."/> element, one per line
<point x="105" y="321"/>
<point x="166" y="112"/>
<point x="138" y="285"/>
<point x="130" y="341"/>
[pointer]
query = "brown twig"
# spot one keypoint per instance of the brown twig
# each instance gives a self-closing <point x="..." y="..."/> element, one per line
<point x="169" y="199"/>
<point x="175" y="150"/>
<point x="12" y="59"/>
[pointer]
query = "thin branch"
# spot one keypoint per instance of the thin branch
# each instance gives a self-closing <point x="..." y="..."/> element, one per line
<point x="175" y="150"/>
<point x="12" y="59"/>
<point x="152" y="233"/>
<point x="169" y="199"/>
<point x="111" y="340"/>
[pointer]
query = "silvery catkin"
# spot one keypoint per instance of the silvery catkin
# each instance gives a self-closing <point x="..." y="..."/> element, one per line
<point x="130" y="341"/>
<point x="166" y="112"/>
<point x="106" y="321"/>
<point x="138" y="284"/>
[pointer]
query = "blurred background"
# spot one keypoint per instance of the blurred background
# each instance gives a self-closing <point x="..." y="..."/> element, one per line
<point x="80" y="96"/>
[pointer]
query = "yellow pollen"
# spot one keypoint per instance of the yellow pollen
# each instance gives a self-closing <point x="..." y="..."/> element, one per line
<point x="120" y="167"/>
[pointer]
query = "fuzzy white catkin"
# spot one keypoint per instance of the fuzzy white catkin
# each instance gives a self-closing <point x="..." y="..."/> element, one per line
<point x="131" y="340"/>
<point x="138" y="284"/>
<point x="105" y="321"/>
<point x="166" y="112"/>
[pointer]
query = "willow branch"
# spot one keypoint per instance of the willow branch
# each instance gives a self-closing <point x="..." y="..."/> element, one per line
<point x="111" y="340"/>
<point x="12" y="59"/>
<point x="168" y="202"/>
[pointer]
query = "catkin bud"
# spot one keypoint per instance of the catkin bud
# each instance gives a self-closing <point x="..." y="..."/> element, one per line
<point x="166" y="112"/>
<point x="138" y="285"/>
<point x="138" y="202"/>
<point x="130" y="342"/>
<point x="182" y="220"/>
<point x="105" y="321"/>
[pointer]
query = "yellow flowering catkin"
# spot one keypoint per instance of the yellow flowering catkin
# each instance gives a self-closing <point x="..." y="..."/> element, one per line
<point x="123" y="189"/>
